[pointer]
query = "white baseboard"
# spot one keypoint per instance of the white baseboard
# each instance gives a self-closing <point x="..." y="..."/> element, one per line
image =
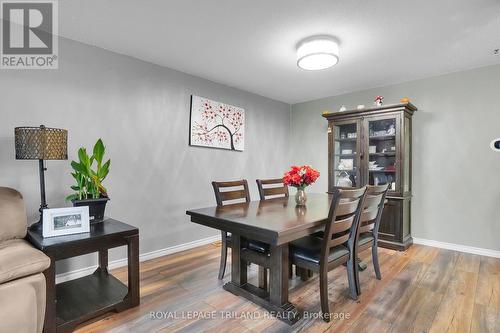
<point x="142" y="257"/>
<point x="457" y="247"/>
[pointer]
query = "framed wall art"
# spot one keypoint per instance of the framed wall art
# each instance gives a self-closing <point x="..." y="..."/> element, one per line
<point x="216" y="125"/>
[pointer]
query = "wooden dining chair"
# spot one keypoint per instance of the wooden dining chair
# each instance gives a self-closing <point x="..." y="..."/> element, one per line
<point x="233" y="191"/>
<point x="269" y="189"/>
<point x="336" y="247"/>
<point x="369" y="223"/>
<point x="272" y="188"/>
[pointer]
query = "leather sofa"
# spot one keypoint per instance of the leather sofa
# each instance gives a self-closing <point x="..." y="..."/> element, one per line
<point x="22" y="284"/>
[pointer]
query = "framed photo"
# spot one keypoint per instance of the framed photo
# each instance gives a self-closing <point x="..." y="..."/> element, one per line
<point x="216" y="125"/>
<point x="65" y="221"/>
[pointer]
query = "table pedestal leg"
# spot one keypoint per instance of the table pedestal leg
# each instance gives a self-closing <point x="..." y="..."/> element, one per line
<point x="276" y="301"/>
<point x="278" y="284"/>
<point x="262" y="278"/>
<point x="238" y="266"/>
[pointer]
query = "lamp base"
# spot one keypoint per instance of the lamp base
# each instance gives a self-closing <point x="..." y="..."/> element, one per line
<point x="36" y="227"/>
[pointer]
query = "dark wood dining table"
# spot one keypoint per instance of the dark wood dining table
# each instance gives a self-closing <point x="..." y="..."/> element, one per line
<point x="275" y="222"/>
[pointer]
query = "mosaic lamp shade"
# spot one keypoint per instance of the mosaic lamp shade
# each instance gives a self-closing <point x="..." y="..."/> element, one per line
<point x="41" y="143"/>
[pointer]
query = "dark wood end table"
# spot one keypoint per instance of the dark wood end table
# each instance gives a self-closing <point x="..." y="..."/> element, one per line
<point x="73" y="302"/>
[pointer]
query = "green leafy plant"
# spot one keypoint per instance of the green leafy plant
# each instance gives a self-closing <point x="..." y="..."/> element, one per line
<point x="89" y="178"/>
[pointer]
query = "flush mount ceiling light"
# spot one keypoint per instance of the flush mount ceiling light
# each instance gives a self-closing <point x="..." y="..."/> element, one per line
<point x="317" y="53"/>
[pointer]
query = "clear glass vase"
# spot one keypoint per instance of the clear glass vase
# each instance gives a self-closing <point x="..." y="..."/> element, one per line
<point x="300" y="197"/>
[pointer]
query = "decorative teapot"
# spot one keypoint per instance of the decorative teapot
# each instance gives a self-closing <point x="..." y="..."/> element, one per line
<point x="344" y="180"/>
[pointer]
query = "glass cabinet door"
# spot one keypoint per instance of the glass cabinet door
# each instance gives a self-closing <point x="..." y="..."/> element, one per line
<point x="346" y="154"/>
<point x="382" y="147"/>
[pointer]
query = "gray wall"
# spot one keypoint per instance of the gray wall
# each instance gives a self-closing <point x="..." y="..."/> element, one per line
<point x="141" y="111"/>
<point x="456" y="182"/>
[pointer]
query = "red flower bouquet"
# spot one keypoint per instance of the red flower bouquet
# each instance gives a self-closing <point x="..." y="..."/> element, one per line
<point x="300" y="176"/>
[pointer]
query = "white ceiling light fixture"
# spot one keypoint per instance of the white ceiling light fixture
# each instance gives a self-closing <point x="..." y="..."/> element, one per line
<point x="316" y="53"/>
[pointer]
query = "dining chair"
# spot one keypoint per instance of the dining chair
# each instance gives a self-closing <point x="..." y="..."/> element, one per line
<point x="269" y="189"/>
<point x="238" y="192"/>
<point x="272" y="188"/>
<point x="369" y="223"/>
<point x="336" y="247"/>
<point x="231" y="192"/>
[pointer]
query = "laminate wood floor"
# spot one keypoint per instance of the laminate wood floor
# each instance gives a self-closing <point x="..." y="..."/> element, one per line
<point x="424" y="289"/>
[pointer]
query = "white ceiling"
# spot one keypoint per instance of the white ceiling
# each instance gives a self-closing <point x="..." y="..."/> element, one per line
<point x="251" y="44"/>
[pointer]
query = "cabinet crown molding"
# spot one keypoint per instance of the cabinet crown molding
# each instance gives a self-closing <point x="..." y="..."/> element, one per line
<point x="408" y="107"/>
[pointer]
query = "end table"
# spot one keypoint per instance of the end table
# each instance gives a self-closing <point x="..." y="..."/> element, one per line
<point x="73" y="302"/>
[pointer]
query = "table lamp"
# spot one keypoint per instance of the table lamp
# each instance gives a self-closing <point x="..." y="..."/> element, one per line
<point x="41" y="143"/>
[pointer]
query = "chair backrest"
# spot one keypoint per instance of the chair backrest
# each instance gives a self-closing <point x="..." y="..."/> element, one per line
<point x="272" y="188"/>
<point x="373" y="207"/>
<point x="343" y="219"/>
<point x="234" y="190"/>
<point x="13" y="220"/>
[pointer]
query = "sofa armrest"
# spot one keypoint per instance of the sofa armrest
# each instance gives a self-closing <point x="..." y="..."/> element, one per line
<point x="19" y="259"/>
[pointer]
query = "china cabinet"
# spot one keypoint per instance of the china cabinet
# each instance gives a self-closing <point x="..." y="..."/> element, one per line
<point x="372" y="147"/>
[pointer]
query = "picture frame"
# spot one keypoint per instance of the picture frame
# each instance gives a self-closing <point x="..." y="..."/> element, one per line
<point x="216" y="125"/>
<point x="65" y="221"/>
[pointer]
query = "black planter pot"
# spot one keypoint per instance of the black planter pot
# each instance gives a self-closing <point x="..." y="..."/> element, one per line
<point x="96" y="207"/>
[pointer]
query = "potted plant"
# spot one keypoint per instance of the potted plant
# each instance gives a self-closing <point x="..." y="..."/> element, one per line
<point x="300" y="177"/>
<point x="89" y="190"/>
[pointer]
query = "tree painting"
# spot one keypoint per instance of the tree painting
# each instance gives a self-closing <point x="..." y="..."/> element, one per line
<point x="217" y="125"/>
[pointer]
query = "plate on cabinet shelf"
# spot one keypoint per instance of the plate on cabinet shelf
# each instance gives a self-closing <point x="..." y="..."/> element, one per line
<point x="346" y="163"/>
<point x="382" y="137"/>
<point x="387" y="153"/>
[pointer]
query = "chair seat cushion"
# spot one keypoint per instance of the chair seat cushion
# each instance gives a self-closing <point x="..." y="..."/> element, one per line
<point x="258" y="246"/>
<point x="318" y="234"/>
<point x="365" y="238"/>
<point x="252" y="245"/>
<point x="309" y="249"/>
<point x="19" y="259"/>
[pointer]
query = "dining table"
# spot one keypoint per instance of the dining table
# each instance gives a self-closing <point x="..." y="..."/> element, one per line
<point x="276" y="222"/>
